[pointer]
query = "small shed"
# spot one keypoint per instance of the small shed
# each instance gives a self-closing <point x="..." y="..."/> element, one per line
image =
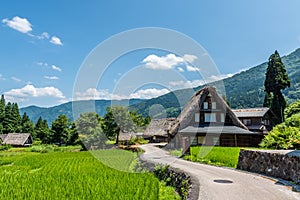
<point x="158" y="130"/>
<point x="17" y="139"/>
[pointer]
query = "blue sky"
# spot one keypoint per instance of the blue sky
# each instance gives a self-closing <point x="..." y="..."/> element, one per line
<point x="44" y="43"/>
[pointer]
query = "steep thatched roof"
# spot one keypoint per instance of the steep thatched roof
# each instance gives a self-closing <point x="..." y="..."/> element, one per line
<point x="123" y="137"/>
<point x="2" y="137"/>
<point x="251" y="112"/>
<point x="186" y="115"/>
<point x="18" y="139"/>
<point x="159" y="127"/>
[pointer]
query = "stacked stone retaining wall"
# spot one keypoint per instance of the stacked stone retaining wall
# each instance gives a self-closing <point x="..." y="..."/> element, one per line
<point x="284" y="164"/>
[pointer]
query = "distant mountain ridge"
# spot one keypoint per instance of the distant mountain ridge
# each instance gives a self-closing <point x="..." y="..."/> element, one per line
<point x="51" y="113"/>
<point x="243" y="90"/>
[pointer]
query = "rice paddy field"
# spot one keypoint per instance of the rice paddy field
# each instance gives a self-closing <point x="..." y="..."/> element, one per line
<point x="75" y="175"/>
<point x="220" y="156"/>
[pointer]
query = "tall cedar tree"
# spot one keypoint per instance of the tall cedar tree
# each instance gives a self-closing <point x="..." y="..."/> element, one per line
<point x="27" y="125"/>
<point x="2" y="113"/>
<point x="276" y="80"/>
<point x="60" y="130"/>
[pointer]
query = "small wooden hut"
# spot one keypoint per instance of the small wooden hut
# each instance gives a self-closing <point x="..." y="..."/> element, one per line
<point x="17" y="139"/>
<point x="158" y="130"/>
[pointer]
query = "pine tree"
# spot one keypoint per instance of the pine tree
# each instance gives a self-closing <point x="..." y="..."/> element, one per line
<point x="2" y="113"/>
<point x="8" y="122"/>
<point x="276" y="80"/>
<point x="41" y="130"/>
<point x="60" y="130"/>
<point x="27" y="125"/>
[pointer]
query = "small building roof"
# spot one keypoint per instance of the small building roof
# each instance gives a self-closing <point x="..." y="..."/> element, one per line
<point x="126" y="136"/>
<point x="159" y="127"/>
<point x="215" y="130"/>
<point x="2" y="137"/>
<point x="17" y="139"/>
<point x="251" y="112"/>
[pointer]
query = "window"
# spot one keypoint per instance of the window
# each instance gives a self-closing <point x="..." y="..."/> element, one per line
<point x="222" y="117"/>
<point x="205" y="105"/>
<point x="201" y="139"/>
<point x="213" y="105"/>
<point x="216" y="141"/>
<point x="210" y="117"/>
<point x="266" y="122"/>
<point x="197" y="117"/>
<point x="247" y="122"/>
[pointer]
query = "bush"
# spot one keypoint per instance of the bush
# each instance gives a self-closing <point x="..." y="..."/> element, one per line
<point x="4" y="147"/>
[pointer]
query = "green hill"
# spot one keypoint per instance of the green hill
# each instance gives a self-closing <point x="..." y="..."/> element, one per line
<point x="50" y="114"/>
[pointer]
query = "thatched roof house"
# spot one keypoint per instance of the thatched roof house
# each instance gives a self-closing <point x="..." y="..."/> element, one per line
<point x="158" y="129"/>
<point x="208" y="120"/>
<point x="17" y="139"/>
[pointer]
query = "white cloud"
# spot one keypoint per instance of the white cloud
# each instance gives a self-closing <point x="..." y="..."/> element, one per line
<point x="190" y="68"/>
<point x="16" y="79"/>
<point x="186" y="84"/>
<point x="24" y="26"/>
<point x="56" y="68"/>
<point x="149" y="93"/>
<point x="51" y="77"/>
<point x="180" y="69"/>
<point x="55" y="40"/>
<point x="30" y="91"/>
<point x="19" y="24"/>
<point x="42" y="64"/>
<point x="167" y="62"/>
<point x="189" y="58"/>
<point x="44" y="35"/>
<point x="93" y="93"/>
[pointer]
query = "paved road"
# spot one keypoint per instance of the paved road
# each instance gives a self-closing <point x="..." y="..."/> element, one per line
<point x="221" y="183"/>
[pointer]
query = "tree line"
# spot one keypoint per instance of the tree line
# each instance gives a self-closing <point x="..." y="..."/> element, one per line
<point x="89" y="130"/>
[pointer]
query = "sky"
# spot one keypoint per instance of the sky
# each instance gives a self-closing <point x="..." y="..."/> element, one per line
<point x="47" y="45"/>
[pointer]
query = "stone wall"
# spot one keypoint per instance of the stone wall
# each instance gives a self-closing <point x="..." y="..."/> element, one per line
<point x="284" y="164"/>
<point x="186" y="186"/>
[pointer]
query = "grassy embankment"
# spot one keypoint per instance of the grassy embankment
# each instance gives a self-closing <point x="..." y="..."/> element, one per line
<point x="76" y="175"/>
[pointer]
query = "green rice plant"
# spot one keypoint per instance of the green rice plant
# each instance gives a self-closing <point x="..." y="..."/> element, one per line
<point x="75" y="175"/>
<point x="220" y="156"/>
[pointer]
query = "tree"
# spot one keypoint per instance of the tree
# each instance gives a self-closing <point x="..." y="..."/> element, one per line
<point x="60" y="130"/>
<point x="41" y="130"/>
<point x="27" y="125"/>
<point x="16" y="117"/>
<point x="73" y="137"/>
<point x="2" y="113"/>
<point x="90" y="132"/>
<point x="292" y="109"/>
<point x="276" y="80"/>
<point x="8" y="122"/>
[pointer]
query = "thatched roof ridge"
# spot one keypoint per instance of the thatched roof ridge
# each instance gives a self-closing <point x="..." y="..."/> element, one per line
<point x="159" y="127"/>
<point x="126" y="136"/>
<point x="17" y="139"/>
<point x="183" y="120"/>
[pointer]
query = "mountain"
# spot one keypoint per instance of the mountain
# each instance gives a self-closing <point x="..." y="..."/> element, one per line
<point x="50" y="114"/>
<point x="243" y="90"/>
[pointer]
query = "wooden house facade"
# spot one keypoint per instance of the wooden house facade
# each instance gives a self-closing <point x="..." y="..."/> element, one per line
<point x="258" y="120"/>
<point x="208" y="120"/>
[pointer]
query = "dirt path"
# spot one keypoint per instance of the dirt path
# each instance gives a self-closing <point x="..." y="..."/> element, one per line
<point x="221" y="183"/>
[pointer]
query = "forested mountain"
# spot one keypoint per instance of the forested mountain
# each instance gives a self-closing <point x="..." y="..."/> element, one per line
<point x="50" y="114"/>
<point x="245" y="89"/>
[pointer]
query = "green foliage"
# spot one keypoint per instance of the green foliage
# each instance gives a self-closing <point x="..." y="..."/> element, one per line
<point x="42" y="130"/>
<point x="220" y="156"/>
<point x="90" y="132"/>
<point x="4" y="147"/>
<point x="71" y="176"/>
<point x="60" y="130"/>
<point x="276" y="80"/>
<point x="119" y="118"/>
<point x="285" y="135"/>
<point x="292" y="109"/>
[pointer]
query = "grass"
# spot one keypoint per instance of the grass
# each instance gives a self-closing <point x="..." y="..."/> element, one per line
<point x="219" y="156"/>
<point x="76" y="175"/>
